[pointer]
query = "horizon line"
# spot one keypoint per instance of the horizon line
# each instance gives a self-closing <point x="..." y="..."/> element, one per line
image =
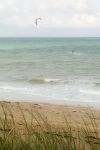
<point x="51" y="37"/>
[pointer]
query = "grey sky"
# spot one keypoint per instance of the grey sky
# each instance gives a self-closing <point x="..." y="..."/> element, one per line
<point x="59" y="17"/>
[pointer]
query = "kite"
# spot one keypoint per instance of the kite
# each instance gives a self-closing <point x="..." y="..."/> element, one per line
<point x="37" y="20"/>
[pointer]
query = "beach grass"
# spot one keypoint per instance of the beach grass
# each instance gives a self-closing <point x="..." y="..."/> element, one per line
<point x="39" y="134"/>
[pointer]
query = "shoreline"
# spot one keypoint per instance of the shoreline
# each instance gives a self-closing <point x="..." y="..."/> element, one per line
<point x="51" y="101"/>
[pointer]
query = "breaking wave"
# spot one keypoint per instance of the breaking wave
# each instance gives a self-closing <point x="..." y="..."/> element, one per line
<point x="44" y="81"/>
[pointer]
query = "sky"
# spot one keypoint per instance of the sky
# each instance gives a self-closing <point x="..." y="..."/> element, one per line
<point x="60" y="18"/>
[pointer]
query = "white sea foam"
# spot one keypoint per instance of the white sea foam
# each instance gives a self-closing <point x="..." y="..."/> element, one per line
<point x="90" y="91"/>
<point x="71" y="91"/>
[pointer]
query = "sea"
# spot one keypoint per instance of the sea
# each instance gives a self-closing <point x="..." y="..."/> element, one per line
<point x="50" y="70"/>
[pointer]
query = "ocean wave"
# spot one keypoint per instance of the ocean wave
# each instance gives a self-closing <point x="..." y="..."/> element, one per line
<point x="44" y="81"/>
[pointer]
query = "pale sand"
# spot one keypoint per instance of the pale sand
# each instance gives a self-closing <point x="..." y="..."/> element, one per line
<point x="54" y="114"/>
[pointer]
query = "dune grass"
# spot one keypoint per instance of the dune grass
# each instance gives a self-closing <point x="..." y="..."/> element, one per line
<point x="43" y="136"/>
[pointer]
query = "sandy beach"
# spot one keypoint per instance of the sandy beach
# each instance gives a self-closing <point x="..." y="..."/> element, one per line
<point x="54" y="114"/>
<point x="33" y="124"/>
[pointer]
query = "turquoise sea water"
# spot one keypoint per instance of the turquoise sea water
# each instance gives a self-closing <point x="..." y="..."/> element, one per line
<point x="50" y="69"/>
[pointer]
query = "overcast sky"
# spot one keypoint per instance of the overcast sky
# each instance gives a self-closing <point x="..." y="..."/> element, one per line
<point x="59" y="18"/>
